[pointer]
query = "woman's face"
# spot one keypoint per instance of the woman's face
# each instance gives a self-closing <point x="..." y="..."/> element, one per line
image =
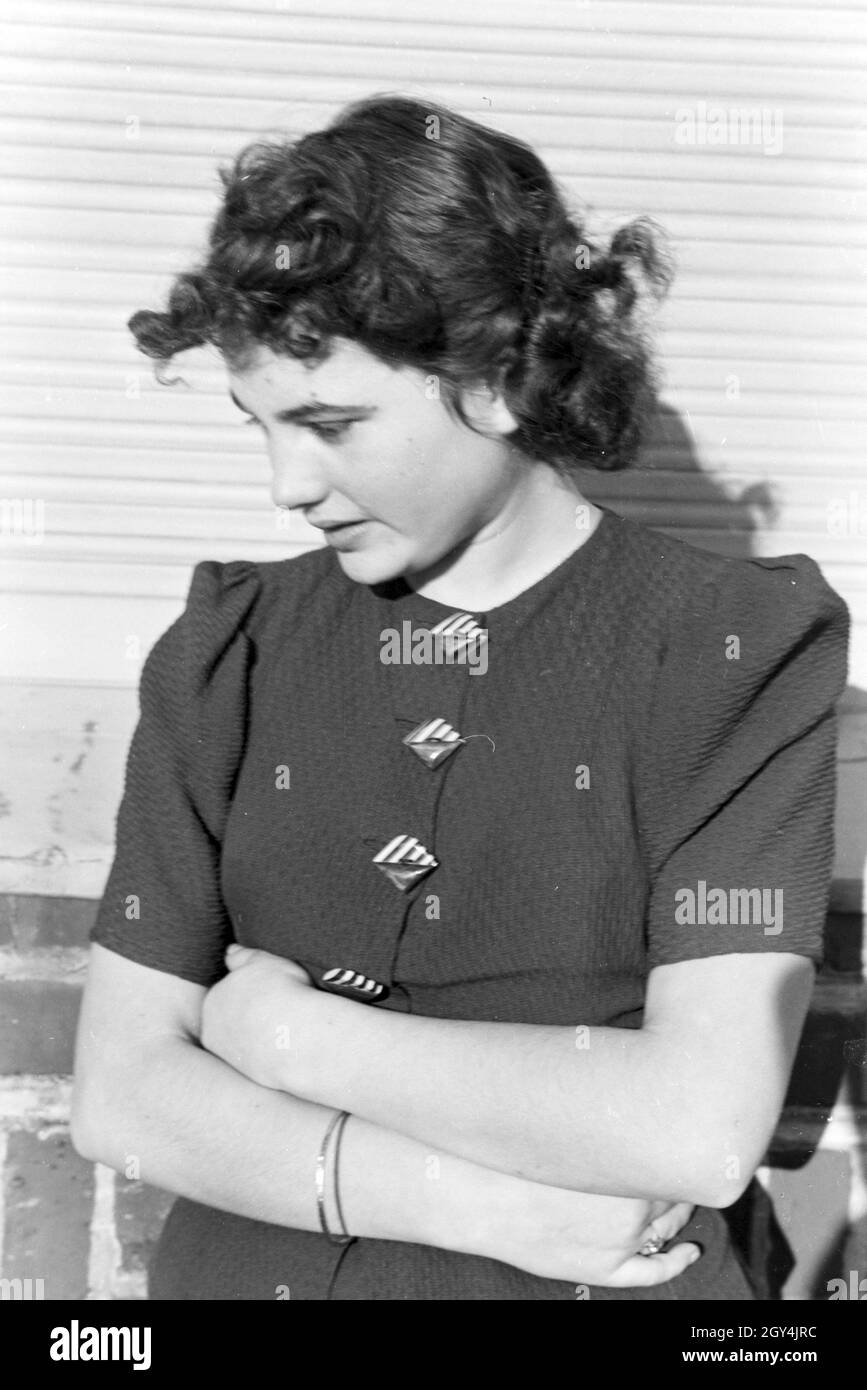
<point x="359" y="446"/>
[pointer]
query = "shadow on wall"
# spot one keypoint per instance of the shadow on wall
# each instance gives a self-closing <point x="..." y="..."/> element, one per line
<point x="670" y="445"/>
<point x="832" y="1055"/>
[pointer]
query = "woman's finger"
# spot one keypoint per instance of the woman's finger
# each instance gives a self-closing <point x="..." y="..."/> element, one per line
<point x="643" y="1271"/>
<point x="672" y="1221"/>
<point x="237" y="956"/>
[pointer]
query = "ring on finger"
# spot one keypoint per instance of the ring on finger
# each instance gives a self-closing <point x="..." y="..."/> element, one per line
<point x="653" y="1243"/>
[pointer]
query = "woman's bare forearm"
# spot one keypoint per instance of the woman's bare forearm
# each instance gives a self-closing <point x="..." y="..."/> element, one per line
<point x="677" y="1110"/>
<point x="615" y="1118"/>
<point x="522" y="1099"/>
<point x="202" y="1130"/>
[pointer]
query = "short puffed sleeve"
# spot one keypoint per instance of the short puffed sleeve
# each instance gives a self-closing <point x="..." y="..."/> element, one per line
<point x="162" y="905"/>
<point x="738" y="775"/>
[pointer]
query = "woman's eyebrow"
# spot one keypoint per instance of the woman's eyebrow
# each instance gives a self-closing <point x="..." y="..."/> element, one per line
<point x="312" y="409"/>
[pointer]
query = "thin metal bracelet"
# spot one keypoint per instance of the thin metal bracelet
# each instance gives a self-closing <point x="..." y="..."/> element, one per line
<point x="321" y="1165"/>
<point x="338" y="1140"/>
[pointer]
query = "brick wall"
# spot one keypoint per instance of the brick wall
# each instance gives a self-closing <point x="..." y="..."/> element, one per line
<point x="82" y="1229"/>
<point x="88" y="1232"/>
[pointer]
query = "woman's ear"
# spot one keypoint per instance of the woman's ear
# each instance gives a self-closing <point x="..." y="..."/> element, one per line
<point x="484" y="406"/>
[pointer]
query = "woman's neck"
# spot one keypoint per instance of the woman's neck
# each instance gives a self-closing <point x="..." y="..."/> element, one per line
<point x="545" y="520"/>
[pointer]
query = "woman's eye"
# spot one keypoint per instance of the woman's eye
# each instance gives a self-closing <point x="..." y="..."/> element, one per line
<point x="323" y="429"/>
<point x="332" y="429"/>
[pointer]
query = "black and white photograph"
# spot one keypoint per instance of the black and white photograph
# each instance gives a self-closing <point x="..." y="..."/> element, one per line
<point x="433" y="625"/>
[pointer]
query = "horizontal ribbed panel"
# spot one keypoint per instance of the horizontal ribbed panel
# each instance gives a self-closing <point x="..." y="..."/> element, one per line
<point x="762" y="343"/>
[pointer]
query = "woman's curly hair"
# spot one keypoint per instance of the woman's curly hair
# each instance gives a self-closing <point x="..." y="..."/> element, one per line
<point x="435" y="243"/>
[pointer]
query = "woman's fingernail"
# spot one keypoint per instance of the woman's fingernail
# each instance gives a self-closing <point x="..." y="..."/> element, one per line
<point x="696" y="1255"/>
<point x="234" y="947"/>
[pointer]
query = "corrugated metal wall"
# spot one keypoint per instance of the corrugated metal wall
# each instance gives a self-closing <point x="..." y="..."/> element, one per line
<point x="115" y="115"/>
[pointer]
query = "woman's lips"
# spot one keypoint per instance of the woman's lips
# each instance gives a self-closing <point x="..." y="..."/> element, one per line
<point x="344" y="534"/>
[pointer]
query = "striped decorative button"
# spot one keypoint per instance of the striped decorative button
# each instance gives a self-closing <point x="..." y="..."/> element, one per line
<point x="404" y="861"/>
<point x="458" y="631"/>
<point x="433" y="741"/>
<point x="353" y="984"/>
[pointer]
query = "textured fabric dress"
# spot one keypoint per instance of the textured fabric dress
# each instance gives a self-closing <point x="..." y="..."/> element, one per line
<point x="643" y="774"/>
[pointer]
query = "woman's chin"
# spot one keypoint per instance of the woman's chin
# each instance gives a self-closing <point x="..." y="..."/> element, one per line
<point x="371" y="566"/>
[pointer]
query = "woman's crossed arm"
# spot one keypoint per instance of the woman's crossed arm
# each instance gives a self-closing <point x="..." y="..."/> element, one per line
<point x="682" y="1108"/>
<point x="146" y="1089"/>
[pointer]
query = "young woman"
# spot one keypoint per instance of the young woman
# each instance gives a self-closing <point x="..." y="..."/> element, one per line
<point x="471" y="869"/>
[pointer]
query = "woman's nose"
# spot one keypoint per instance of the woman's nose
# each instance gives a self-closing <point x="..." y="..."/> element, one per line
<point x="296" y="478"/>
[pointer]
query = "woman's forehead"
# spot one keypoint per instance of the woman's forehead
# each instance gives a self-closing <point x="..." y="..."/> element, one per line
<point x="347" y="370"/>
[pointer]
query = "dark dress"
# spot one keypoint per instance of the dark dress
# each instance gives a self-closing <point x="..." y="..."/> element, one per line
<point x="619" y="748"/>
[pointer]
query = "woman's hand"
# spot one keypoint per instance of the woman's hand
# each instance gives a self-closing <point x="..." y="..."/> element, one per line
<point x="255" y="1016"/>
<point x="264" y="1018"/>
<point x="584" y="1238"/>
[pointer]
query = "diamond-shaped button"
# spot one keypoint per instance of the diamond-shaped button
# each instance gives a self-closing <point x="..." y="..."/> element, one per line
<point x="457" y="632"/>
<point x="404" y="861"/>
<point x="353" y="984"/>
<point x="433" y="741"/>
